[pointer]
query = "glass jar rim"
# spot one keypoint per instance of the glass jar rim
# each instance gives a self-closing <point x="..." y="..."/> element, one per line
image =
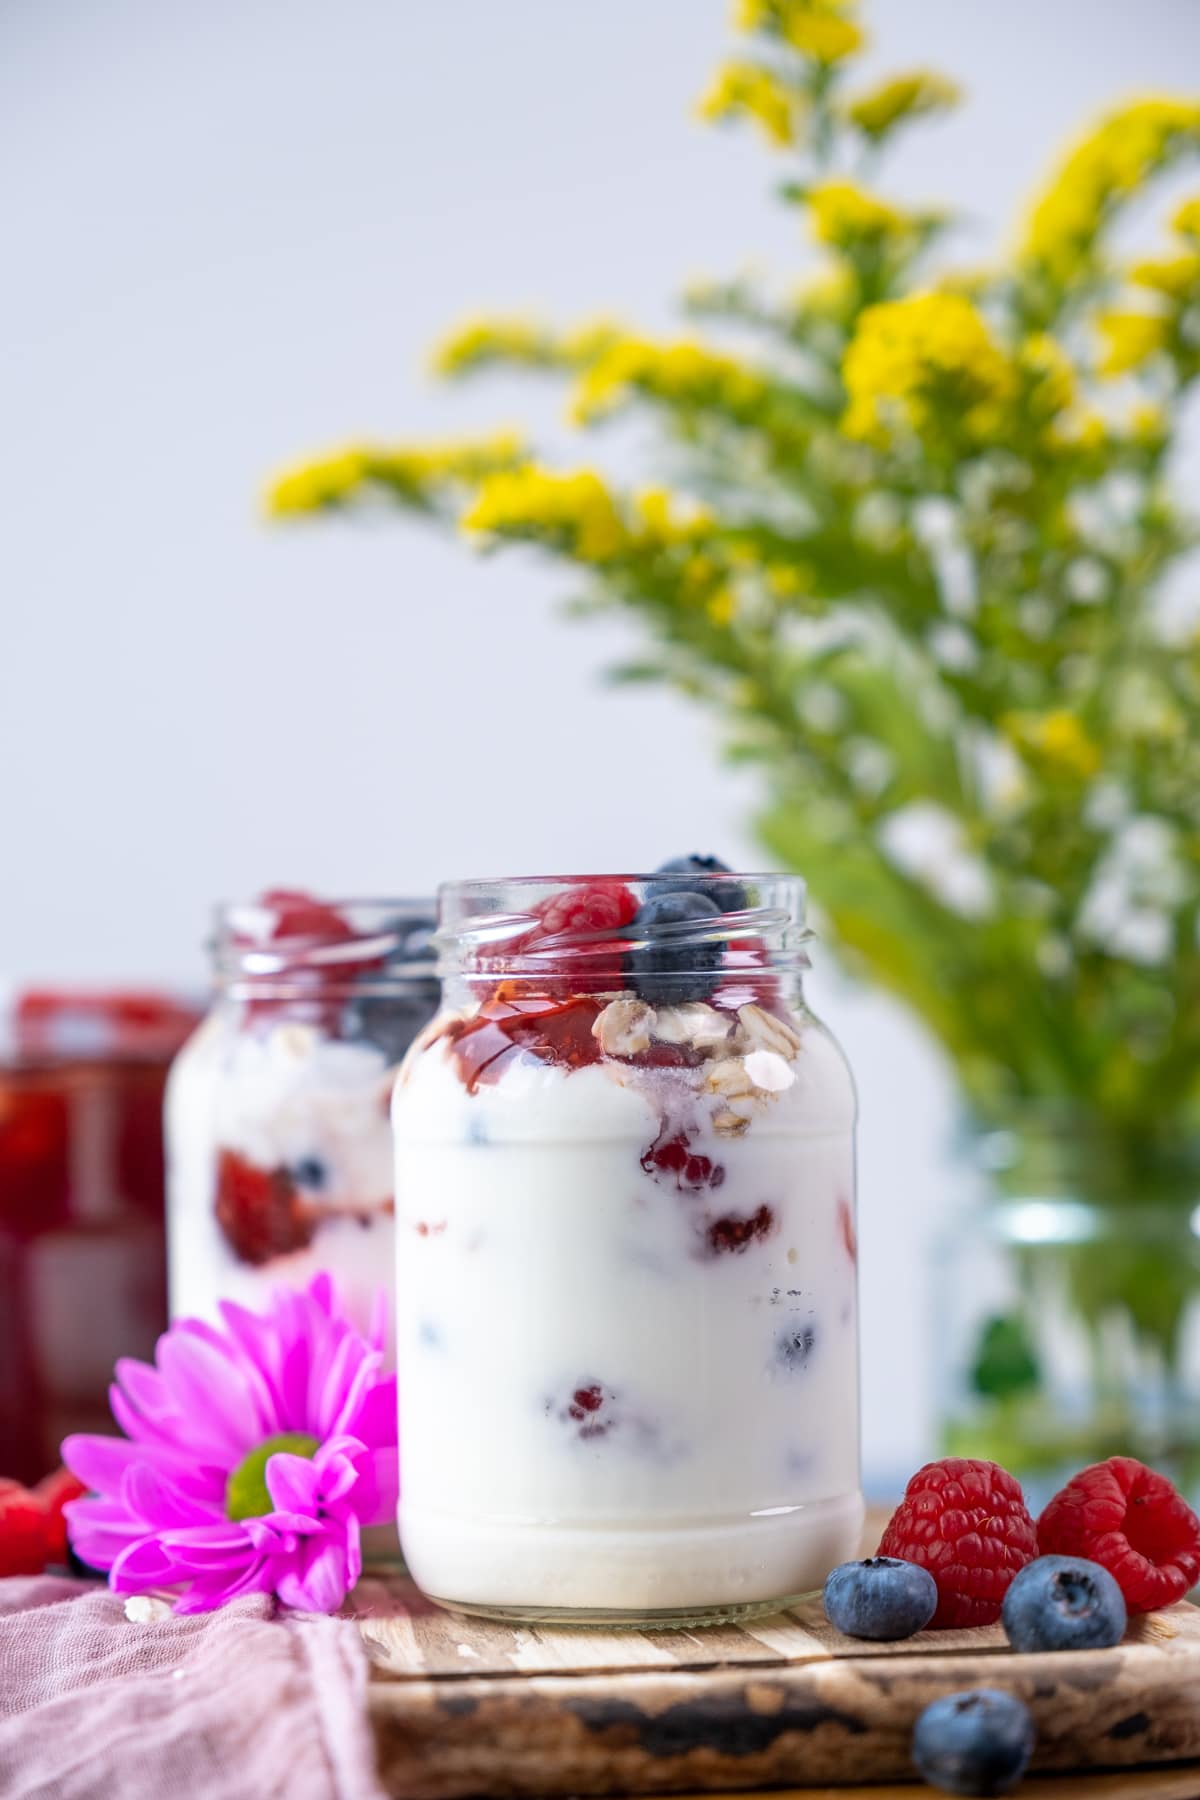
<point x="375" y="945"/>
<point x="488" y="928"/>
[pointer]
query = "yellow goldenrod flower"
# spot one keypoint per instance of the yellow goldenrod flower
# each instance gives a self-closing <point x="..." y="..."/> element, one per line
<point x="745" y="87"/>
<point x="1049" y="374"/>
<point x="1147" y="422"/>
<point x="787" y="580"/>
<point x="697" y="576"/>
<point x="913" y="359"/>
<point x="1083" y="430"/>
<point x="1105" y="167"/>
<point x="664" y="523"/>
<point x="574" y="509"/>
<point x="1132" y="338"/>
<point x="721" y="606"/>
<point x="1186" y="219"/>
<point x="481" y="341"/>
<point x="684" y="372"/>
<point x="973" y="283"/>
<point x="845" y="215"/>
<point x="1057" y="740"/>
<point x="825" y="36"/>
<point x="903" y="97"/>
<point x="584" y="343"/>
<point x="1175" y="277"/>
<point x="820" y="29"/>
<point x="830" y="291"/>
<point x="311" y="487"/>
<point x="412" y="470"/>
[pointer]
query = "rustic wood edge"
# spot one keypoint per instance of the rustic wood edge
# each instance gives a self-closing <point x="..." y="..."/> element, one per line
<point x="837" y="1721"/>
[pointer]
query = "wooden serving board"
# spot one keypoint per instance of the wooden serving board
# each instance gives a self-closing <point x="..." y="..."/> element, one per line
<point x="463" y="1706"/>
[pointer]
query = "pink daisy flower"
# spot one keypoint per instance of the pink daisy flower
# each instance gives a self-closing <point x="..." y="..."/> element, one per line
<point x="253" y="1456"/>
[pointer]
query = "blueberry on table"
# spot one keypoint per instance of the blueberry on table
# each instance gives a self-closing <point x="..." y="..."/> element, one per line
<point x="979" y="1742"/>
<point x="882" y="1598"/>
<point x="684" y="874"/>
<point x="674" y="964"/>
<point x="1063" y="1603"/>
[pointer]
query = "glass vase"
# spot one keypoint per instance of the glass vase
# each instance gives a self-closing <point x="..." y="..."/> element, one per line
<point x="1067" y="1307"/>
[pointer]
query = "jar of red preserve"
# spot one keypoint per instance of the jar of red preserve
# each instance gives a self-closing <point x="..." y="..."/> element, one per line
<point x="82" y="1251"/>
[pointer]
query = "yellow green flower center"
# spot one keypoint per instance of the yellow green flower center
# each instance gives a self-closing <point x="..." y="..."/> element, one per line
<point x="246" y="1495"/>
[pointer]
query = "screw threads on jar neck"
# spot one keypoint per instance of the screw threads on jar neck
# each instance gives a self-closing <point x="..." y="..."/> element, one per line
<point x="601" y="933"/>
<point x="266" y="949"/>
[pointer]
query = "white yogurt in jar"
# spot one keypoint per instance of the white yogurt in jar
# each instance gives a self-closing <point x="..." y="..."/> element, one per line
<point x="626" y="1306"/>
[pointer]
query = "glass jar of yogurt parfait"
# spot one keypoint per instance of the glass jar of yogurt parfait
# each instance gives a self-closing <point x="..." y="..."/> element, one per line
<point x="626" y="1285"/>
<point x="279" y="1155"/>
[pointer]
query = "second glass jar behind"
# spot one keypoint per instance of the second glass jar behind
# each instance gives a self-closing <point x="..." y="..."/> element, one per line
<point x="279" y="1157"/>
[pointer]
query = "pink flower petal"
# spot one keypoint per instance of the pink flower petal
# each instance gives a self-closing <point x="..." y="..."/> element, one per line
<point x="293" y="1385"/>
<point x="353" y="1551"/>
<point x="99" y="1530"/>
<point x="324" y="1295"/>
<point x="320" y="1581"/>
<point x="207" y="1592"/>
<point x="335" y="1383"/>
<point x="293" y="1482"/>
<point x="375" y="1419"/>
<point x="378" y="1490"/>
<point x="338" y="1476"/>
<point x="206" y="1387"/>
<point x="277" y="1533"/>
<point x="146" y="1390"/>
<point x="207" y="1546"/>
<point x="258" y="1344"/>
<point x="101" y="1462"/>
<point x="151" y="1496"/>
<point x="141" y="1565"/>
<point x="246" y="1371"/>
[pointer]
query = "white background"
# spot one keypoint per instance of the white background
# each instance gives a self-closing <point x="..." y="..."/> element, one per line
<point x="230" y="230"/>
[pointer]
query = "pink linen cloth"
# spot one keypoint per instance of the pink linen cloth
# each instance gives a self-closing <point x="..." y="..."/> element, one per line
<point x="240" y="1704"/>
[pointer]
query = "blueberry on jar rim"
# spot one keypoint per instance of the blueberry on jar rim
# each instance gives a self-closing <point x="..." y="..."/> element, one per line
<point x="685" y="874"/>
<point x="673" y="964"/>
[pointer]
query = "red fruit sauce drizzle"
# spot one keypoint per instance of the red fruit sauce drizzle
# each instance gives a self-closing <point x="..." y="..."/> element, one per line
<point x="506" y="1026"/>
